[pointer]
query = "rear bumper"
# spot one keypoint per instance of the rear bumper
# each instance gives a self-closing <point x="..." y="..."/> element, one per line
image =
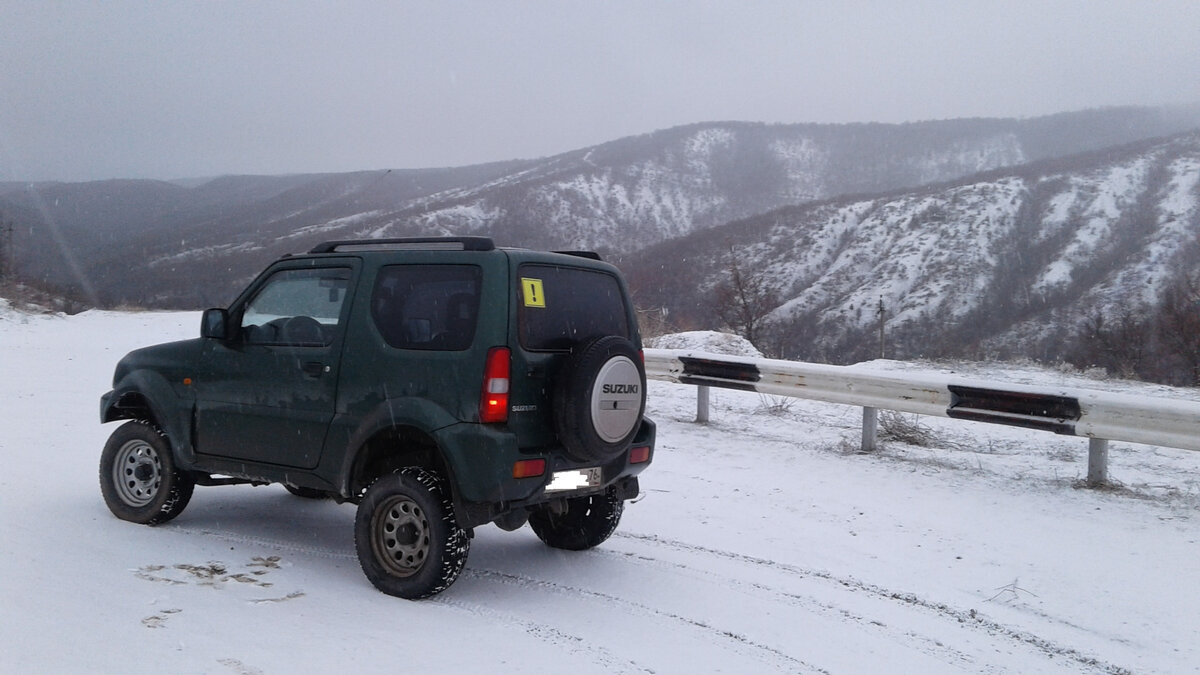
<point x="486" y="487"/>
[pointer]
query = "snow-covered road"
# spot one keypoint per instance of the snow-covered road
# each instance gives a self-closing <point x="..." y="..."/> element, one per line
<point x="760" y="545"/>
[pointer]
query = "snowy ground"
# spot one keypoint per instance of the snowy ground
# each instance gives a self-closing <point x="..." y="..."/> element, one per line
<point x="762" y="544"/>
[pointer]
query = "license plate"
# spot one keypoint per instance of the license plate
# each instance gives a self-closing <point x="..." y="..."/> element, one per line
<point x="574" y="480"/>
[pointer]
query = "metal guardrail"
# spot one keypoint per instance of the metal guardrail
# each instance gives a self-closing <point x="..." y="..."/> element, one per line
<point x="1097" y="415"/>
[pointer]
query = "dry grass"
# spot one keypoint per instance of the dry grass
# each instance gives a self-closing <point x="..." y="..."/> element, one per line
<point x="894" y="426"/>
<point x="35" y="300"/>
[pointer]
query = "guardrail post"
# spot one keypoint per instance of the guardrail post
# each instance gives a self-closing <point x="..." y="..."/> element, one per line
<point x="1097" y="462"/>
<point x="702" y="404"/>
<point x="870" y="429"/>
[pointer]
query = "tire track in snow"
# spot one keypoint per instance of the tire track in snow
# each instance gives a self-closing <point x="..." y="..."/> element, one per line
<point x="932" y="646"/>
<point x="968" y="618"/>
<point x="555" y="637"/>
<point x="544" y="632"/>
<point x="742" y="644"/>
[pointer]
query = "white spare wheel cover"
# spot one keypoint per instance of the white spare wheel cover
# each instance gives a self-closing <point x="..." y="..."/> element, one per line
<point x="616" y="399"/>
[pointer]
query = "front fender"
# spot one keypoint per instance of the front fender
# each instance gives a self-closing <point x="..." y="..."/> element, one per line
<point x="144" y="393"/>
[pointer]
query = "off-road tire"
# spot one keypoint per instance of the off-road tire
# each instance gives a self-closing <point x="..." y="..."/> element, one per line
<point x="408" y="541"/>
<point x="588" y="433"/>
<point x="587" y="522"/>
<point x="138" y="477"/>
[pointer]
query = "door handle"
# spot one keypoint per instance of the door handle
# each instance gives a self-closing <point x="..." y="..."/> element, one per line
<point x="314" y="368"/>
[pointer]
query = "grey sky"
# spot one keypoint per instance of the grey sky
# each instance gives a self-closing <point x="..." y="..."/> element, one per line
<point x="116" y="89"/>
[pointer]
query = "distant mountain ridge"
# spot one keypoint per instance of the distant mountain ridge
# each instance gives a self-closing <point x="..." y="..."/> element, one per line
<point x="166" y="245"/>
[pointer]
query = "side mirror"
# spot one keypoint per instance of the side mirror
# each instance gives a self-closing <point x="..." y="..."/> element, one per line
<point x="215" y="324"/>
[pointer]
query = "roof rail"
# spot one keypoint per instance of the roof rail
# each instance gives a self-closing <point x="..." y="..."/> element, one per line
<point x="408" y="243"/>
<point x="590" y="255"/>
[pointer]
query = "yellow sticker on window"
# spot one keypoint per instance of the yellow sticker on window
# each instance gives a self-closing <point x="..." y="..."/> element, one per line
<point x="532" y="288"/>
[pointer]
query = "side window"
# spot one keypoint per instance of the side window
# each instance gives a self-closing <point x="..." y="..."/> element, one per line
<point x="427" y="306"/>
<point x="296" y="308"/>
<point x="563" y="306"/>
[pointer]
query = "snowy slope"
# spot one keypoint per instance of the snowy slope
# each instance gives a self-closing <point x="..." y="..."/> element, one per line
<point x="688" y="179"/>
<point x="760" y="545"/>
<point x="159" y="244"/>
<point x="1009" y="261"/>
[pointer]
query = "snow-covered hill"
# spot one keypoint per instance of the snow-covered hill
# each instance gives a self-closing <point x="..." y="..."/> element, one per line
<point x="1010" y="261"/>
<point x="761" y="545"/>
<point x="164" y="244"/>
<point x="625" y="195"/>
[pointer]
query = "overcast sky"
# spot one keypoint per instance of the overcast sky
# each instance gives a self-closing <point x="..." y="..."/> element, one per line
<point x="115" y="89"/>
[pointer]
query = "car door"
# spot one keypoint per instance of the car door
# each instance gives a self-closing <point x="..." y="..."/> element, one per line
<point x="267" y="394"/>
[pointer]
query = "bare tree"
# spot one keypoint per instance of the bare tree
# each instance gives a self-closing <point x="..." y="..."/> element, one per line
<point x="653" y="322"/>
<point x="1179" y="323"/>
<point x="1120" y="344"/>
<point x="743" y="299"/>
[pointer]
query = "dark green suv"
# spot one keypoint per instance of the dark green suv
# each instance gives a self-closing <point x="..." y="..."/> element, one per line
<point x="437" y="383"/>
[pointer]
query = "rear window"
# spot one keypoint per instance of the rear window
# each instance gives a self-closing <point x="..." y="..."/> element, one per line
<point x="562" y="306"/>
<point x="432" y="307"/>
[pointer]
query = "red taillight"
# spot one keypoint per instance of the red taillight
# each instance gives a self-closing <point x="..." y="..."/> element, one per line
<point x="493" y="401"/>
<point x="639" y="455"/>
<point x="529" y="468"/>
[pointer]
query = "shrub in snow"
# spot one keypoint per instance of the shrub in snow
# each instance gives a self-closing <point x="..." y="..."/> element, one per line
<point x="894" y="426"/>
<point x="775" y="405"/>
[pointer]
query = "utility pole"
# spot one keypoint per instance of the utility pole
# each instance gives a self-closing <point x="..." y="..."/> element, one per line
<point x="880" y="313"/>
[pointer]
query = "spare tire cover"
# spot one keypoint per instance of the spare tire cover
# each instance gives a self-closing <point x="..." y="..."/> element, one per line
<point x="599" y="398"/>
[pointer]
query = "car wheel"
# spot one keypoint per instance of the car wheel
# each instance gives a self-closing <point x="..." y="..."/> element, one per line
<point x="138" y="477"/>
<point x="408" y="541"/>
<point x="599" y="398"/>
<point x="586" y="522"/>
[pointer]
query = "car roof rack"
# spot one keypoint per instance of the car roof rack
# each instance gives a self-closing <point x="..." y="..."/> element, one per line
<point x="407" y="244"/>
<point x="590" y="255"/>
